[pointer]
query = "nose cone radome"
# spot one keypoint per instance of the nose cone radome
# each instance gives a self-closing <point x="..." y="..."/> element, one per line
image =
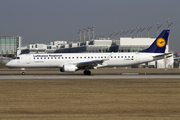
<point x="8" y="64"/>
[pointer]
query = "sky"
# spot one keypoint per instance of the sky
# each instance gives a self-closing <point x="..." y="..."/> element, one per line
<point x="43" y="21"/>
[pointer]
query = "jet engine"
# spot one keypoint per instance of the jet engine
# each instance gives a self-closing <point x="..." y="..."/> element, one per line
<point x="68" y="68"/>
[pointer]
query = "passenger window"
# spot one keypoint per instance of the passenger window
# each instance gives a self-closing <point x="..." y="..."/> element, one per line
<point x="65" y="57"/>
<point x="128" y="56"/>
<point x="114" y="56"/>
<point x="44" y="58"/>
<point x="111" y="56"/>
<point x="34" y="57"/>
<point x="121" y="56"/>
<point x="69" y="57"/>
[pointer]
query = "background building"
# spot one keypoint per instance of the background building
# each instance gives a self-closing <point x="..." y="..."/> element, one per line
<point x="10" y="45"/>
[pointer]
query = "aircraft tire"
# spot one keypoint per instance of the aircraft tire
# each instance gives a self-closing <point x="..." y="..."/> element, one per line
<point x="87" y="72"/>
<point x="23" y="73"/>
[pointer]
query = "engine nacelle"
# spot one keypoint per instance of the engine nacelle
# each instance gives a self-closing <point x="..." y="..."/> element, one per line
<point x="68" y="68"/>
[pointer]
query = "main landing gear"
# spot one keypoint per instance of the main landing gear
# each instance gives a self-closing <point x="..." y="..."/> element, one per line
<point x="87" y="72"/>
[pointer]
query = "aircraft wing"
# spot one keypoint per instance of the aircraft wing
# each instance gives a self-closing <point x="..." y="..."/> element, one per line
<point x="89" y="64"/>
<point x="92" y="64"/>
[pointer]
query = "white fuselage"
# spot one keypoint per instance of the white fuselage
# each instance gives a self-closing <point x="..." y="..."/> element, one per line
<point x="60" y="59"/>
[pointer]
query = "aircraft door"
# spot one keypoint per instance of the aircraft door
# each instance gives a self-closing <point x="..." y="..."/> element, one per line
<point x="137" y="57"/>
<point x="28" y="59"/>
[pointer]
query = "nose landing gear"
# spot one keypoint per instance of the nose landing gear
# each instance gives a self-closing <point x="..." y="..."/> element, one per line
<point x="23" y="72"/>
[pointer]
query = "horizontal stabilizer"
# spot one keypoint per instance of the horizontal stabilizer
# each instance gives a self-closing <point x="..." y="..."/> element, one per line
<point x="162" y="55"/>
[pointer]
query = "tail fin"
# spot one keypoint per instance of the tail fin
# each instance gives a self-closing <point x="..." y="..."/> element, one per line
<point x="159" y="45"/>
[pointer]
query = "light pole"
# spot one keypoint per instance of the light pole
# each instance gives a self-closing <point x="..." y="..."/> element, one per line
<point x="102" y="36"/>
<point x="84" y="30"/>
<point x="121" y="32"/>
<point x="88" y="30"/>
<point x="158" y="28"/>
<point x="79" y="32"/>
<point x="149" y="29"/>
<point x="125" y="32"/>
<point x="142" y="30"/>
<point x="169" y="24"/>
<point x="115" y="34"/>
<point x="138" y="30"/>
<point x="93" y="31"/>
<point x="97" y="37"/>
<point x="131" y="31"/>
<point x="110" y="34"/>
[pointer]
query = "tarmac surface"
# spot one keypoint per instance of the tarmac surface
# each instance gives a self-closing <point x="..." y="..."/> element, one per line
<point x="96" y="74"/>
<point x="125" y="76"/>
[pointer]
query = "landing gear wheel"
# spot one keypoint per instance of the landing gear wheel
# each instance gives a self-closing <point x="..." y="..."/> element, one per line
<point x="87" y="72"/>
<point x="23" y="73"/>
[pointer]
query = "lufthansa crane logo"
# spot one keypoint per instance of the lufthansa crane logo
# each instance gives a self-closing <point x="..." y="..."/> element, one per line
<point x="161" y="42"/>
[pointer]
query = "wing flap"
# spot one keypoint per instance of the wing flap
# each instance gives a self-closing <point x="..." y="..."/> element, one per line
<point x="89" y="64"/>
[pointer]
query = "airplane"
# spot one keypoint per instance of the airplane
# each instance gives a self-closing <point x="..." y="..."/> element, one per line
<point x="72" y="62"/>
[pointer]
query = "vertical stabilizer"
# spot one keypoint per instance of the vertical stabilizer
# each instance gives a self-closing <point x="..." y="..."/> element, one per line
<point x="159" y="45"/>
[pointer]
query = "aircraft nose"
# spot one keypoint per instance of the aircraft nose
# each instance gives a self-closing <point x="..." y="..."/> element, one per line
<point x="8" y="64"/>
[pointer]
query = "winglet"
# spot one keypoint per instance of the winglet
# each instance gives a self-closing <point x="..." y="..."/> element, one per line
<point x="159" y="45"/>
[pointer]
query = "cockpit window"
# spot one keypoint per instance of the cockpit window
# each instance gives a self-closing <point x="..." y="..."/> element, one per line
<point x="16" y="58"/>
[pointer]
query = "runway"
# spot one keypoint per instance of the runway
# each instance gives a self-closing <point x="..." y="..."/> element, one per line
<point x="126" y="76"/>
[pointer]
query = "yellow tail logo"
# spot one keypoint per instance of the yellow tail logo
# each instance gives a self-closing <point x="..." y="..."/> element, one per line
<point x="161" y="42"/>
